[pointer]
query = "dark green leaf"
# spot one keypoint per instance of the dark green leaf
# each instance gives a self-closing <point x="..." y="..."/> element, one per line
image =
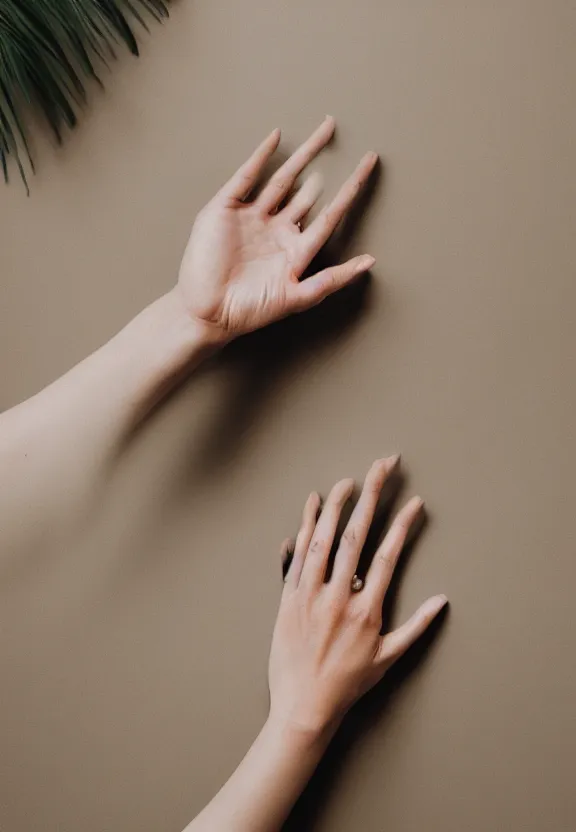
<point x="49" y="50"/>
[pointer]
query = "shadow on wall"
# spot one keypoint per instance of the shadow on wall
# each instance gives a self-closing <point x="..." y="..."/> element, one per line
<point x="253" y="371"/>
<point x="256" y="365"/>
<point x="377" y="705"/>
<point x="375" y="708"/>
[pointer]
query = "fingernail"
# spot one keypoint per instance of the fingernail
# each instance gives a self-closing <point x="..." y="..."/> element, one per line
<point x="365" y="263"/>
<point x="388" y="462"/>
<point x="442" y="601"/>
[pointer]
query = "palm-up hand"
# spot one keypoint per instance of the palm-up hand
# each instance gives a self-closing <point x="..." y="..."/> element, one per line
<point x="244" y="260"/>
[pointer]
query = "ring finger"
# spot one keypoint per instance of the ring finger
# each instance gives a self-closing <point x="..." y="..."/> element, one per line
<point x="304" y="200"/>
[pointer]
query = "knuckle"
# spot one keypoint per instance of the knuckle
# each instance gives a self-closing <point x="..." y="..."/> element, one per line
<point x="317" y="546"/>
<point x="402" y="527"/>
<point x="362" y="615"/>
<point x="350" y="537"/>
<point x="386" y="559"/>
<point x="374" y="486"/>
<point x="327" y="219"/>
<point x="333" y="606"/>
<point x="329" y="279"/>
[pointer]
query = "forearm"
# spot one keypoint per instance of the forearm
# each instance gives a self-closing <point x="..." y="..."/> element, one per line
<point x="72" y="426"/>
<point x="260" y="794"/>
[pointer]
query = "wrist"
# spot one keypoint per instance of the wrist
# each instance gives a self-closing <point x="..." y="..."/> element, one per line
<point x="196" y="334"/>
<point x="156" y="350"/>
<point x="299" y="734"/>
<point x="211" y="334"/>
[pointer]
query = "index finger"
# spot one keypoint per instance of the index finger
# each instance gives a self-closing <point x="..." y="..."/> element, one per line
<point x="246" y="177"/>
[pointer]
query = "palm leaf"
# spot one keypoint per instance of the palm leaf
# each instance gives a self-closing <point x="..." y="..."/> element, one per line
<point x="49" y="50"/>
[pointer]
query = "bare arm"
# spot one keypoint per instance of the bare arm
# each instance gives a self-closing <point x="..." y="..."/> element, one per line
<point x="241" y="270"/>
<point x="72" y="425"/>
<point x="266" y="784"/>
<point x="327" y="651"/>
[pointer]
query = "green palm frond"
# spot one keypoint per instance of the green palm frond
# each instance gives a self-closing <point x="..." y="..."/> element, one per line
<point x="49" y="50"/>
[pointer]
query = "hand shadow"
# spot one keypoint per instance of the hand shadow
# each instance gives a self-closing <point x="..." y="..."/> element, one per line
<point x="257" y="364"/>
<point x="376" y="706"/>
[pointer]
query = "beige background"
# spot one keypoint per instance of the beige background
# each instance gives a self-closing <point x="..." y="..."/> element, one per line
<point x="133" y="648"/>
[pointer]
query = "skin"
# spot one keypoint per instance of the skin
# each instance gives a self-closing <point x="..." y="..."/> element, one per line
<point x="327" y="651"/>
<point x="242" y="270"/>
<point x="243" y="265"/>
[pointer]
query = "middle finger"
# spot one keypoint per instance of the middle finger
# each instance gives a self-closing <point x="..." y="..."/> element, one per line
<point x="356" y="531"/>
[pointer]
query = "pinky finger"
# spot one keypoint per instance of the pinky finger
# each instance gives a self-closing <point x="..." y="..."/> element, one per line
<point x="286" y="555"/>
<point x="315" y="289"/>
<point x="395" y="644"/>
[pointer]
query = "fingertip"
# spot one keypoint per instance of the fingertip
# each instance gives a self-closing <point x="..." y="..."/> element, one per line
<point x="415" y="504"/>
<point x="345" y="487"/>
<point x="368" y="160"/>
<point x="314" y="500"/>
<point x="350" y="485"/>
<point x="365" y="262"/>
<point x="437" y="603"/>
<point x="384" y="465"/>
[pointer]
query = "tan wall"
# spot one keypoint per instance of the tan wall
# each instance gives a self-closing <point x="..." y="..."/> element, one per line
<point x="133" y="649"/>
